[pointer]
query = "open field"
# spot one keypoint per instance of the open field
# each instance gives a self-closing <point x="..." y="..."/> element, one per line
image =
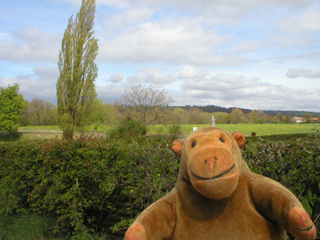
<point x="247" y="129"/>
<point x="272" y="129"/>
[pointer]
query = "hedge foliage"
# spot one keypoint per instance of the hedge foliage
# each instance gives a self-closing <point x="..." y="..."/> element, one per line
<point x="80" y="182"/>
<point x="293" y="162"/>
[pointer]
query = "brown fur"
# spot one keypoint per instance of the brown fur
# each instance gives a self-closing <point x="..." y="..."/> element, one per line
<point x="218" y="197"/>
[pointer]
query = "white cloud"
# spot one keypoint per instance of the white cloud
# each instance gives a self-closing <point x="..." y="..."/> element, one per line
<point x="49" y="72"/>
<point x="247" y="47"/>
<point x="127" y="18"/>
<point x="30" y="45"/>
<point x="151" y="77"/>
<point x="213" y="11"/>
<point x="239" y="91"/>
<point x="109" y="93"/>
<point x="308" y="22"/>
<point x="114" y="3"/>
<point x="192" y="72"/>
<point x="301" y="72"/>
<point x="289" y="41"/>
<point x="169" y="42"/>
<point x="116" y="77"/>
<point x="5" y="82"/>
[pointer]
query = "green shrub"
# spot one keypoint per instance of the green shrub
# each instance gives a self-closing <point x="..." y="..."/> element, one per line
<point x="129" y="128"/>
<point x="175" y="130"/>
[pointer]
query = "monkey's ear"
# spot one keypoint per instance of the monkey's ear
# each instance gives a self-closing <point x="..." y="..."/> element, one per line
<point x="240" y="138"/>
<point x="177" y="146"/>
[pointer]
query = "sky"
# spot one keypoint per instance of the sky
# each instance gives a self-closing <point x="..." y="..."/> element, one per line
<point x="256" y="54"/>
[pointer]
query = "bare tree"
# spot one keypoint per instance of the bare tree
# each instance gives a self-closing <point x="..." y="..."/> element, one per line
<point x="41" y="112"/>
<point x="145" y="103"/>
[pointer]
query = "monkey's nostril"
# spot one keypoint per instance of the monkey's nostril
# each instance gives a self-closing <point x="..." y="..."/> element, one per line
<point x="206" y="161"/>
<point x="215" y="158"/>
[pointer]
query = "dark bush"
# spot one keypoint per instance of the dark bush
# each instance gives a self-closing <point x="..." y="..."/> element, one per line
<point x="175" y="131"/>
<point x="129" y="128"/>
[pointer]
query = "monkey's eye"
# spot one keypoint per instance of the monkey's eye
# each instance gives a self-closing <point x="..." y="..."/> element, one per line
<point x="194" y="143"/>
<point x="221" y="139"/>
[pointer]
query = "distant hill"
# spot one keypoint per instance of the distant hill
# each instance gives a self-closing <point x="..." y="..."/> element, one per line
<point x="214" y="108"/>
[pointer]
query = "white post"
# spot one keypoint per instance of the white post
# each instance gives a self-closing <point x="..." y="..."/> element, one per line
<point x="213" y="121"/>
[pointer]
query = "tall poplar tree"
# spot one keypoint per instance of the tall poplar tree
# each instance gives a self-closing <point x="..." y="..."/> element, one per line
<point x="78" y="71"/>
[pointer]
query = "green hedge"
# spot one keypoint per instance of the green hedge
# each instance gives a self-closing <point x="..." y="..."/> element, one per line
<point x="294" y="162"/>
<point x="81" y="182"/>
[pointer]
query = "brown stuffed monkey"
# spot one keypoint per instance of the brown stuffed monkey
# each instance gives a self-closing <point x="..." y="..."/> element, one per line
<point x="218" y="197"/>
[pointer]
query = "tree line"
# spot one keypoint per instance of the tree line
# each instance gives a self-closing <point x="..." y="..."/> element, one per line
<point x="142" y="103"/>
<point x="40" y="113"/>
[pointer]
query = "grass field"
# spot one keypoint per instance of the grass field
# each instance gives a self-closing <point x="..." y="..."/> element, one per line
<point x="247" y="129"/>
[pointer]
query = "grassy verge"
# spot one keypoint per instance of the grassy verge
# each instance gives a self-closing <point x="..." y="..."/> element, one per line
<point x="247" y="129"/>
<point x="51" y="132"/>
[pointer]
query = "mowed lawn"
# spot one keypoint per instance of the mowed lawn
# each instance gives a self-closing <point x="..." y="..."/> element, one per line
<point x="247" y="129"/>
